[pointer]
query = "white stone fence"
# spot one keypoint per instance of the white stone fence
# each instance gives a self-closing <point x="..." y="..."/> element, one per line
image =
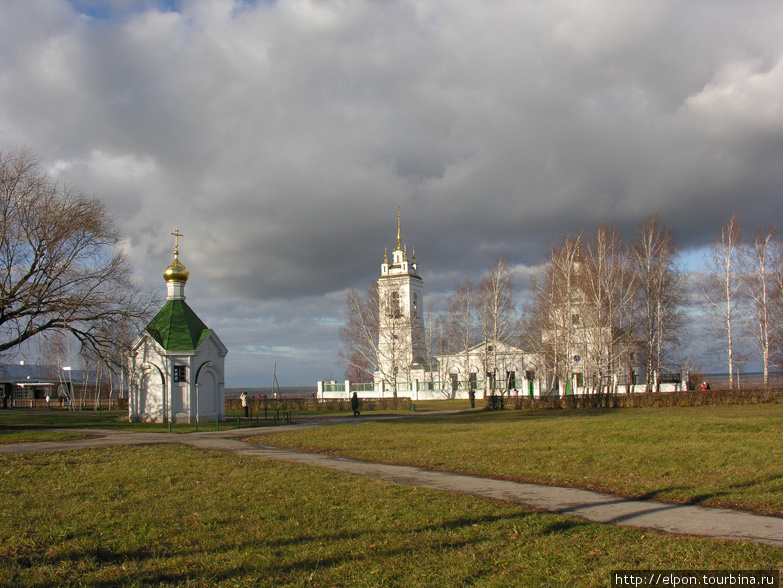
<point x="422" y="390"/>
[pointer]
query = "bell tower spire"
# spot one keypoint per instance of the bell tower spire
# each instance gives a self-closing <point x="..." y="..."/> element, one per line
<point x="399" y="233"/>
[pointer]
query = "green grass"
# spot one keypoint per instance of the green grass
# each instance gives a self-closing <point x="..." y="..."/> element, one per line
<point x="716" y="455"/>
<point x="33" y="425"/>
<point x="176" y="516"/>
<point x="456" y="404"/>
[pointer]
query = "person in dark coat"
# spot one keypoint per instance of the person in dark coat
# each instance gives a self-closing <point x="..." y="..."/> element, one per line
<point x="355" y="404"/>
<point x="243" y="398"/>
<point x="472" y="396"/>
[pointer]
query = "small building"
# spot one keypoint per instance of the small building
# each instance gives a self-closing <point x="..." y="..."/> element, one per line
<point x="177" y="363"/>
<point x="28" y="385"/>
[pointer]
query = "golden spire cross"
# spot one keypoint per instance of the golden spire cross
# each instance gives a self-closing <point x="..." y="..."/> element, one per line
<point x="177" y="235"/>
<point x="399" y="235"/>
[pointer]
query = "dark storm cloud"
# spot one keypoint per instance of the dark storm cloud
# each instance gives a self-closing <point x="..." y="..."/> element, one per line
<point x="281" y="137"/>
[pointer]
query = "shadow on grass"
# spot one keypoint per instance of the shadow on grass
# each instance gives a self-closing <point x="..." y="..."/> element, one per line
<point x="362" y="548"/>
<point x="669" y="496"/>
<point x="487" y="416"/>
<point x="561" y="527"/>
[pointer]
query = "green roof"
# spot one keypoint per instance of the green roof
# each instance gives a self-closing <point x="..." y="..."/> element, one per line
<point x="177" y="328"/>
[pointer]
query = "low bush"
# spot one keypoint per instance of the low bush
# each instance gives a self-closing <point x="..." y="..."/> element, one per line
<point x="657" y="399"/>
<point x="302" y="404"/>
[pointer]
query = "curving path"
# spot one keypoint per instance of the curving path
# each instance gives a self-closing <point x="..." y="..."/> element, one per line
<point x="594" y="506"/>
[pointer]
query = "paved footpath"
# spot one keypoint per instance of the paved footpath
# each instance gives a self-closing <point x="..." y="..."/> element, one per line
<point x="594" y="506"/>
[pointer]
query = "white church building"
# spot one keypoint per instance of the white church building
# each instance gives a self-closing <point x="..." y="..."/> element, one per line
<point x="405" y="367"/>
<point x="177" y="363"/>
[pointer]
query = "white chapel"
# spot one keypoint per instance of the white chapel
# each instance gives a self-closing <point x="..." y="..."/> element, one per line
<point x="177" y="363"/>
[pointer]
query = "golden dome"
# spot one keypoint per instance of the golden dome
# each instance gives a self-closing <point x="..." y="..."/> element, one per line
<point x="176" y="272"/>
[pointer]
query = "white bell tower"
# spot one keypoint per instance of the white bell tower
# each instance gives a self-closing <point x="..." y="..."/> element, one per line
<point x="401" y="345"/>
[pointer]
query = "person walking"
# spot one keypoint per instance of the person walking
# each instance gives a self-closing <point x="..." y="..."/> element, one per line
<point x="355" y="404"/>
<point x="243" y="398"/>
<point x="472" y="395"/>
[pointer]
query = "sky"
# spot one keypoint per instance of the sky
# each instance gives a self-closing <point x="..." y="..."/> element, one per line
<point x="282" y="137"/>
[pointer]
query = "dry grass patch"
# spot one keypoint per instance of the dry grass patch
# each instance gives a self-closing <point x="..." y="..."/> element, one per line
<point x="716" y="455"/>
<point x="176" y="516"/>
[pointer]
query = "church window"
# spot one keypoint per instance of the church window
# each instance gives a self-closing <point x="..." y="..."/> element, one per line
<point x="394" y="305"/>
<point x="575" y="319"/>
<point x="415" y="304"/>
<point x="180" y="373"/>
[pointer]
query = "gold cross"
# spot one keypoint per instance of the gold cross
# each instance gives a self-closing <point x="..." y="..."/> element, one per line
<point x="177" y="235"/>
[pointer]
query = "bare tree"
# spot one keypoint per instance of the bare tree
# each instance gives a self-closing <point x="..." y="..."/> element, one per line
<point x="609" y="286"/>
<point x="61" y="267"/>
<point x="56" y="348"/>
<point x="358" y="370"/>
<point x="499" y="320"/>
<point x="722" y="289"/>
<point x="359" y="335"/>
<point x="660" y="298"/>
<point x="559" y="302"/>
<point x="759" y="260"/>
<point x="375" y="335"/>
<point x="438" y="342"/>
<point x="776" y="340"/>
<point x="461" y="322"/>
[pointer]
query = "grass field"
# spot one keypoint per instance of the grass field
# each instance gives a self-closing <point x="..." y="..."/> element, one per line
<point x="177" y="516"/>
<point x="31" y="425"/>
<point x="715" y="455"/>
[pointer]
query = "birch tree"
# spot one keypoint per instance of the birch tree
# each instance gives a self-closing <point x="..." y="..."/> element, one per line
<point x="759" y="260"/>
<point x="609" y="285"/>
<point x="499" y="319"/>
<point x="558" y="304"/>
<point x="370" y="339"/>
<point x="722" y="290"/>
<point x="359" y="336"/>
<point x="461" y="306"/>
<point x="660" y="297"/>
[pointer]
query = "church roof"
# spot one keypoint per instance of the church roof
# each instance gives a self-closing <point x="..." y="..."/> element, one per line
<point x="176" y="327"/>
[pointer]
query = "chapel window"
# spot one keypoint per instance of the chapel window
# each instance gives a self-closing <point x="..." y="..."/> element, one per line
<point x="180" y="373"/>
